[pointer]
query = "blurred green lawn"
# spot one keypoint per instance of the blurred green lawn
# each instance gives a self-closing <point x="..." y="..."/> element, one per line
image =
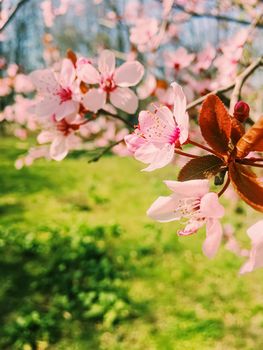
<point x="184" y="300"/>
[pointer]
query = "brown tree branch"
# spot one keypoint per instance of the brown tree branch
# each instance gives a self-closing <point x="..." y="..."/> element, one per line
<point x="216" y="17"/>
<point x="13" y="13"/>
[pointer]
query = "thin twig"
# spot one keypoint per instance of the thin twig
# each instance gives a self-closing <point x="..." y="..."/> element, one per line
<point x="177" y="151"/>
<point x="244" y="75"/>
<point x="240" y="80"/>
<point x="194" y="143"/>
<point x="216" y="17"/>
<point x="247" y="162"/>
<point x="13" y="13"/>
<point x="214" y="92"/>
<point x="130" y="125"/>
<point x="104" y="151"/>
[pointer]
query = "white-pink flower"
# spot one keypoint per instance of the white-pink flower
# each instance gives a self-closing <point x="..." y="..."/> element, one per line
<point x="61" y="135"/>
<point x="178" y="59"/>
<point x="191" y="200"/>
<point x="113" y="83"/>
<point x="59" y="92"/>
<point x="159" y="132"/>
<point x="255" y="260"/>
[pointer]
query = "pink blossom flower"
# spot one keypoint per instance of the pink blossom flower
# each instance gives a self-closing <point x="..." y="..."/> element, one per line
<point x="165" y="96"/>
<point x="113" y="83"/>
<point x="148" y="86"/>
<point x="178" y="59"/>
<point x="23" y="84"/>
<point x="62" y="136"/>
<point x="191" y="200"/>
<point x="159" y="132"/>
<point x="144" y="33"/>
<point x="59" y="92"/>
<point x="255" y="260"/>
<point x="205" y="58"/>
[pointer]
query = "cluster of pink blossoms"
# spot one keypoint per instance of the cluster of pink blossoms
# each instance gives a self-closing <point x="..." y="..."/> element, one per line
<point x="79" y="89"/>
<point x="160" y="131"/>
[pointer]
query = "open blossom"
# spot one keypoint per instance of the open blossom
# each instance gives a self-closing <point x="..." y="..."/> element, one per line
<point x="58" y="92"/>
<point x="255" y="260"/>
<point x="178" y="59"/>
<point x="191" y="200"/>
<point x="144" y="33"/>
<point x="62" y="136"/>
<point x="113" y="83"/>
<point x="159" y="132"/>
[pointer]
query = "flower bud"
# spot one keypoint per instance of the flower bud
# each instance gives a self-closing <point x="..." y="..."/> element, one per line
<point x="241" y="111"/>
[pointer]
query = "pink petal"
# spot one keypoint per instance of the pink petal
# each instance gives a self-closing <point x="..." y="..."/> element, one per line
<point x="47" y="106"/>
<point x="255" y="232"/>
<point x="94" y="100"/>
<point x="191" y="188"/>
<point x="88" y="74"/>
<point x="58" y="148"/>
<point x="133" y="142"/>
<point x="162" y="157"/>
<point x="164" y="209"/>
<point x="255" y="260"/>
<point x="180" y="114"/>
<point x="45" y="136"/>
<point x="146" y="153"/>
<point x="210" y="206"/>
<point x="213" y="239"/>
<point x="124" y="99"/>
<point x="179" y="102"/>
<point x="66" y="109"/>
<point x="106" y="63"/>
<point x="191" y="228"/>
<point x="67" y="74"/>
<point x="147" y="87"/>
<point x="247" y="267"/>
<point x="166" y="116"/>
<point x="44" y="80"/>
<point x="128" y="74"/>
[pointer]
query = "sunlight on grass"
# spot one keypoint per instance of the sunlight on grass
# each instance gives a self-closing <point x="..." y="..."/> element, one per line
<point x="181" y="299"/>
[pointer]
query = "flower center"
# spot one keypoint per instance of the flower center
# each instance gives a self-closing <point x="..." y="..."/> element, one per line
<point x="173" y="138"/>
<point x="108" y="84"/>
<point x="189" y="208"/>
<point x="65" y="128"/>
<point x="177" y="66"/>
<point x="65" y="94"/>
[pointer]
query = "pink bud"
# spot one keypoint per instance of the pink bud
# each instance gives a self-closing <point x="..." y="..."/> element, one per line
<point x="241" y="111"/>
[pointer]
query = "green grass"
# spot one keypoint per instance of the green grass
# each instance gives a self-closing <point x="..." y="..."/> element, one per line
<point x="184" y="300"/>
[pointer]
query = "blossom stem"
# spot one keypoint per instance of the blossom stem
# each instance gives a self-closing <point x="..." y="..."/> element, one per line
<point x="104" y="151"/>
<point x="185" y="154"/>
<point x="120" y="118"/>
<point x="202" y="146"/>
<point x="251" y="163"/>
<point x="225" y="187"/>
<point x="254" y="159"/>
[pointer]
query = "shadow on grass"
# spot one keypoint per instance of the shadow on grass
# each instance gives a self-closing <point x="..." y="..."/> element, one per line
<point x="59" y="286"/>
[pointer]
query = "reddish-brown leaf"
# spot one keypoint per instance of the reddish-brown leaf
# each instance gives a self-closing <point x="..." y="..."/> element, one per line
<point x="247" y="185"/>
<point x="200" y="168"/>
<point x="215" y="124"/>
<point x="252" y="140"/>
<point x="237" y="130"/>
